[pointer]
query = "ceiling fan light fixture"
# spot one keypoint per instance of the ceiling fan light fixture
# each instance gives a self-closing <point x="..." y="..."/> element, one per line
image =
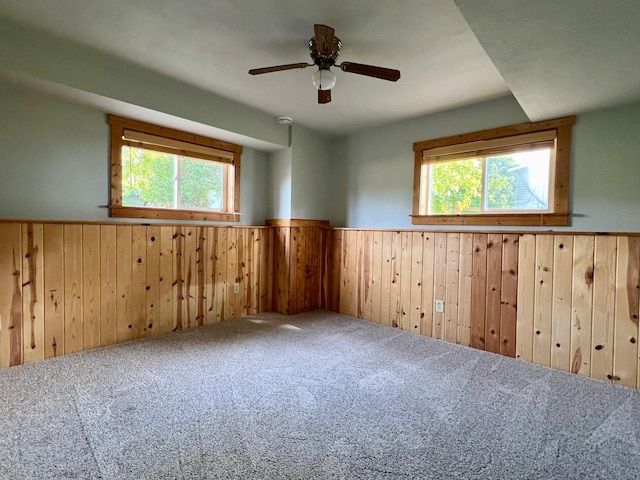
<point x="324" y="79"/>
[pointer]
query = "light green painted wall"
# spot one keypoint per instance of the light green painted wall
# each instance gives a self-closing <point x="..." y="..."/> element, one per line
<point x="606" y="170"/>
<point x="311" y="174"/>
<point x="280" y="184"/>
<point x="54" y="157"/>
<point x="373" y="168"/>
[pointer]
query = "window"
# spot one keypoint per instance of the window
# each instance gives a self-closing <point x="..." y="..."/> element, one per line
<point x="158" y="172"/>
<point x="516" y="175"/>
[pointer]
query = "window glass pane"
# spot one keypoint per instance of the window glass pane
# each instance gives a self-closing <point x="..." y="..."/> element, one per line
<point x="201" y="184"/>
<point x="455" y="187"/>
<point x="147" y="178"/>
<point x="519" y="181"/>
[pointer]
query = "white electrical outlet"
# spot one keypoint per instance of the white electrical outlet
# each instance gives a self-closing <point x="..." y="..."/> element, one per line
<point x="440" y="306"/>
<point x="236" y="288"/>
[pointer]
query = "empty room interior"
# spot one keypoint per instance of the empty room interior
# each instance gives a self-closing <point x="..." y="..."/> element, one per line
<point x="340" y="239"/>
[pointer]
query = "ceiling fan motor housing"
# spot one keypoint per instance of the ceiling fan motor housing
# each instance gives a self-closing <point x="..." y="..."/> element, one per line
<point x="324" y="61"/>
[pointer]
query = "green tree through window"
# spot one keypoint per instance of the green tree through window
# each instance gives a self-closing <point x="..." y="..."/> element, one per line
<point x="150" y="179"/>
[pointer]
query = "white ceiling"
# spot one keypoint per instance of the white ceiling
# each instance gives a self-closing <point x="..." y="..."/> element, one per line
<point x="555" y="57"/>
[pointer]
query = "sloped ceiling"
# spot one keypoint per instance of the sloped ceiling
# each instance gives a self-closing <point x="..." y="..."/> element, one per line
<point x="561" y="57"/>
<point x="556" y="58"/>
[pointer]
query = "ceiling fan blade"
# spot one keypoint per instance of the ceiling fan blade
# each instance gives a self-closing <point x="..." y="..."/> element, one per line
<point x="324" y="96"/>
<point x="324" y="39"/>
<point x="278" y="68"/>
<point x="371" y="71"/>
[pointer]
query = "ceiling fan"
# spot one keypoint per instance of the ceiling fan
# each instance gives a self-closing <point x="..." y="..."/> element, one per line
<point x="325" y="49"/>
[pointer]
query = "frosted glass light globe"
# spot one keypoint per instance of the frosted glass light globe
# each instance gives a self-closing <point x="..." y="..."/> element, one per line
<point x="324" y="79"/>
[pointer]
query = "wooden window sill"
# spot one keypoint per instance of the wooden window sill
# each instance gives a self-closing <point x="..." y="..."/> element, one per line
<point x="504" y="220"/>
<point x="171" y="214"/>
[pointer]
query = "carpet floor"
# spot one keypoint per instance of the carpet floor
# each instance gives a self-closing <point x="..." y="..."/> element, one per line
<point x="312" y="396"/>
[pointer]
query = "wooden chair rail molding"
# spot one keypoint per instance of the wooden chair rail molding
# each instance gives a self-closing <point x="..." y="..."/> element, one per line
<point x="566" y="300"/>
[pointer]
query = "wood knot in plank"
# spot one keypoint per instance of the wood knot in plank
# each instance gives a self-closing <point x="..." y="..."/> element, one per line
<point x="588" y="276"/>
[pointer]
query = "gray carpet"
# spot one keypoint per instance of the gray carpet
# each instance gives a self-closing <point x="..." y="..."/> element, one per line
<point x="316" y="395"/>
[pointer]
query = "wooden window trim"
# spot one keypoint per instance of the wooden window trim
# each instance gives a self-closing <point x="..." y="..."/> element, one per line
<point x="125" y="131"/>
<point x="559" y="215"/>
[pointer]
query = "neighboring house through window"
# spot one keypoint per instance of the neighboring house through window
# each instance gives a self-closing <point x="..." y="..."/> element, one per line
<point x="515" y="175"/>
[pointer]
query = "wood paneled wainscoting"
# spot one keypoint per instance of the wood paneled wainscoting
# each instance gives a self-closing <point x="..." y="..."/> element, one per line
<point x="298" y="265"/>
<point x="65" y="288"/>
<point x="568" y="301"/>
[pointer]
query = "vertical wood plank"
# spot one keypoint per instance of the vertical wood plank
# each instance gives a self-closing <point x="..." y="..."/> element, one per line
<point x="509" y="295"/>
<point x="464" y="289"/>
<point x="53" y="255"/>
<point x="201" y="282"/>
<point x="336" y="269"/>
<point x="561" y="309"/>
<point x="11" y="325"/>
<point x="582" y="307"/>
<point x="452" y="286"/>
<point x="493" y="293"/>
<point x="376" y="277"/>
<point x="123" y="283"/>
<point x="232" y="271"/>
<point x="220" y="293"/>
<point x="415" y="307"/>
<point x="244" y="259"/>
<point x="396" y="279"/>
<point x="73" y="331"/>
<point x="543" y="300"/>
<point x="325" y="281"/>
<point x="33" y="291"/>
<point x="280" y="271"/>
<point x="241" y="245"/>
<point x="210" y="271"/>
<point x="366" y="302"/>
<point x="350" y="249"/>
<point x="316" y="246"/>
<point x="405" y="279"/>
<point x="526" y="296"/>
<point x="625" y="358"/>
<point x="153" y="279"/>
<point x="344" y="273"/>
<point x="386" y="278"/>
<point x="137" y="307"/>
<point x="296" y="271"/>
<point x="359" y="273"/>
<point x="478" y="290"/>
<point x="178" y="282"/>
<point x="604" y="302"/>
<point x="440" y="283"/>
<point x="256" y="270"/>
<point x="428" y="255"/>
<point x="190" y="269"/>
<point x="265" y="269"/>
<point x="108" y="289"/>
<point x="165" y="319"/>
<point x="269" y="255"/>
<point x="91" y="286"/>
